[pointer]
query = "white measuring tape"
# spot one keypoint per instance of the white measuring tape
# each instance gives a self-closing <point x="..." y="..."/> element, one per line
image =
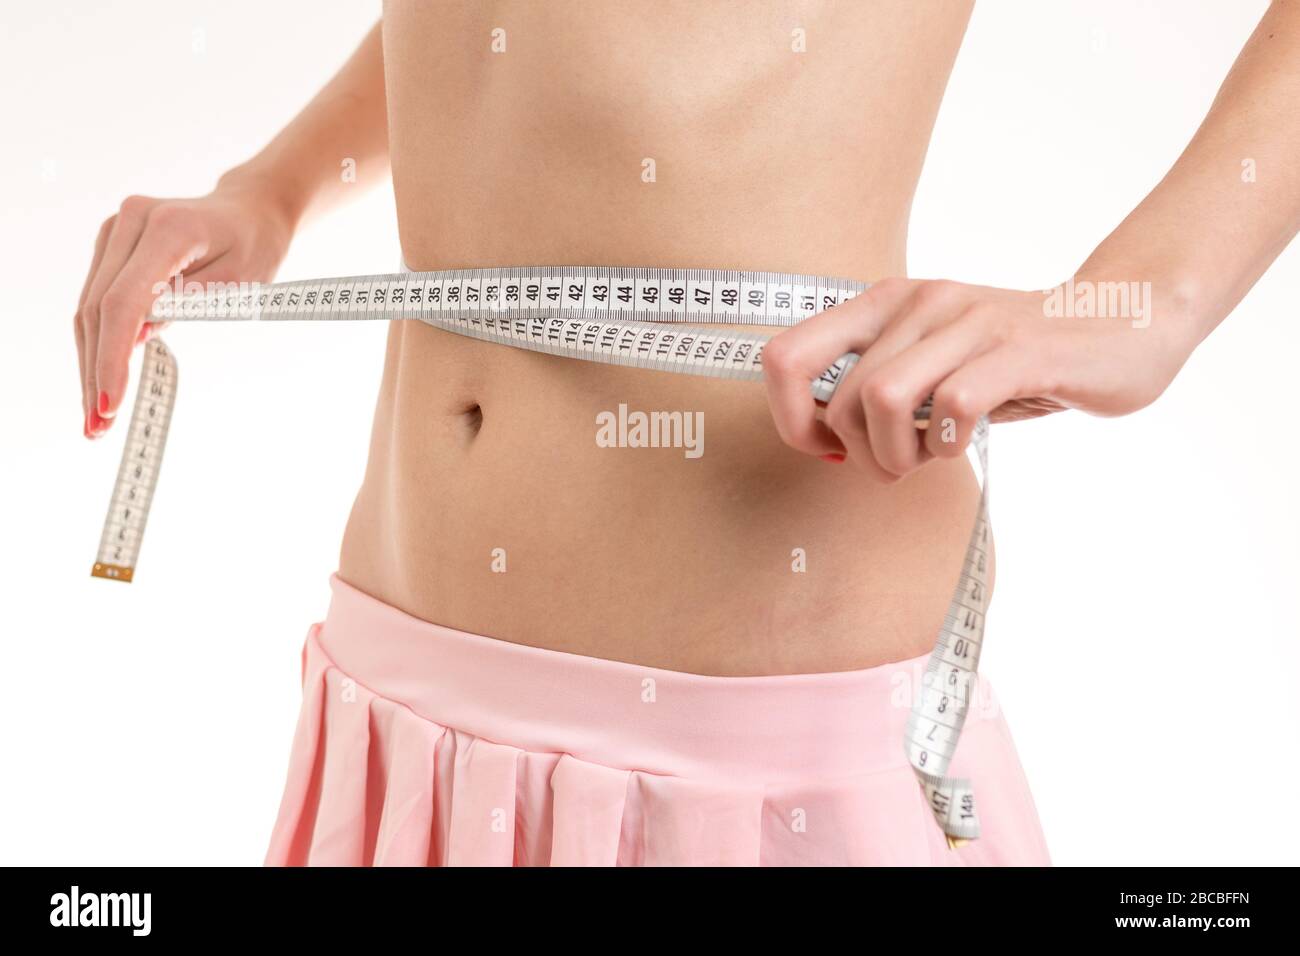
<point x="634" y="317"/>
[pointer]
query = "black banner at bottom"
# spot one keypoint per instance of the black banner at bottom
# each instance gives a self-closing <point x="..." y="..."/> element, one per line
<point x="1169" y="906"/>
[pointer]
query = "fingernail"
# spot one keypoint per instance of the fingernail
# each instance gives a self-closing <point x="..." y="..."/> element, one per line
<point x="103" y="405"/>
<point x="97" y="425"/>
<point x="833" y="457"/>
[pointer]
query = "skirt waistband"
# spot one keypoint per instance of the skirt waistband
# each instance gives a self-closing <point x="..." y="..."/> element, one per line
<point x="754" y="729"/>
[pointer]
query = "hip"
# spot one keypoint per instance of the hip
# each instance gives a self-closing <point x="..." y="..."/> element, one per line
<point x="419" y="744"/>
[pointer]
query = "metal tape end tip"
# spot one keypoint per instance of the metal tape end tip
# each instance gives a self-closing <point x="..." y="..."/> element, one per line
<point x="112" y="572"/>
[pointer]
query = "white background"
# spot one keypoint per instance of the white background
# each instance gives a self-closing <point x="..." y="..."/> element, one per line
<point x="1144" y="633"/>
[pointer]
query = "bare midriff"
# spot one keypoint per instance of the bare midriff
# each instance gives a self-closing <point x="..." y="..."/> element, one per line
<point x="671" y="134"/>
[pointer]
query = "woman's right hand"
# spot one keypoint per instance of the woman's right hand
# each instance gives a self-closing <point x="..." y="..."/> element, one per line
<point x="238" y="233"/>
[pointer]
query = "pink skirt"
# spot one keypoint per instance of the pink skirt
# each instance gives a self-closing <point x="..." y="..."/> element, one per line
<point x="421" y="745"/>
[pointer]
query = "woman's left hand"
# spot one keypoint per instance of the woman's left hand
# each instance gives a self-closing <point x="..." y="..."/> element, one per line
<point x="976" y="350"/>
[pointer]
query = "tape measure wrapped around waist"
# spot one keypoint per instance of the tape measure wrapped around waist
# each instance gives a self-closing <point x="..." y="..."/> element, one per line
<point x="643" y="318"/>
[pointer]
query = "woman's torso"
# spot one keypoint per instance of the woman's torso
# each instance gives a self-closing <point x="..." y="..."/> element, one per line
<point x="764" y="158"/>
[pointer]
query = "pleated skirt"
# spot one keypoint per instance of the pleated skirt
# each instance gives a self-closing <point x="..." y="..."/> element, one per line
<point x="420" y="745"/>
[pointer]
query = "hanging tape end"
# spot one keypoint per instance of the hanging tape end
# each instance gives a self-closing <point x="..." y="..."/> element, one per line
<point x="956" y="843"/>
<point x="113" y="572"/>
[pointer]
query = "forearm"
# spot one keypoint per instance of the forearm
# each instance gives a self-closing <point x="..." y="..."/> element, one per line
<point x="337" y="146"/>
<point x="1230" y="204"/>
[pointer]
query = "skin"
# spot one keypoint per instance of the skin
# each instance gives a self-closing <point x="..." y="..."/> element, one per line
<point x="535" y="155"/>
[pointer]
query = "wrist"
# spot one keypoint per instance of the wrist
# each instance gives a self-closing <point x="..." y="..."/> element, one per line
<point x="272" y="194"/>
<point x="1172" y="312"/>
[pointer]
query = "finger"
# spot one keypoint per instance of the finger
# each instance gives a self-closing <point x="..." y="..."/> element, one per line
<point x="796" y="357"/>
<point x="168" y="243"/>
<point x="80" y="338"/>
<point x="926" y="307"/>
<point x="892" y="392"/>
<point x="148" y="330"/>
<point x="125" y="234"/>
<point x="845" y="418"/>
<point x="79" y="322"/>
<point x="920" y="309"/>
<point x="977" y="388"/>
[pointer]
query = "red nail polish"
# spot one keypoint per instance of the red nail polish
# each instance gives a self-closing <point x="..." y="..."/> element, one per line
<point x="834" y="457"/>
<point x="103" y="404"/>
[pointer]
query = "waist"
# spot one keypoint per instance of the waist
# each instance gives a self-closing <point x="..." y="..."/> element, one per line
<point x="639" y="517"/>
